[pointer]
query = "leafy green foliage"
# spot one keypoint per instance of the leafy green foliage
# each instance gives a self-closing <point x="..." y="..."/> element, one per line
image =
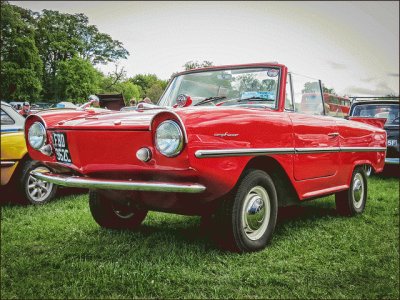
<point x="19" y="83"/>
<point x="194" y="64"/>
<point x="41" y="42"/>
<point x="63" y="36"/>
<point x="154" y="92"/>
<point x="328" y="90"/>
<point x="150" y="85"/>
<point x="76" y="79"/>
<point x="312" y="87"/>
<point x="21" y="67"/>
<point x="58" y="251"/>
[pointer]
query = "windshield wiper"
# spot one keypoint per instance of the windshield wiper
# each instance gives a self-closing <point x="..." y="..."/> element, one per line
<point x="209" y="99"/>
<point x="255" y="98"/>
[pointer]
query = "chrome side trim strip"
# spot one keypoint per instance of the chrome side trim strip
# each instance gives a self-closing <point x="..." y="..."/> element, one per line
<point x="124" y="185"/>
<point x="7" y="163"/>
<point x="392" y="161"/>
<point x="269" y="151"/>
<point x="317" y="150"/>
<point x="362" y="149"/>
<point x="243" y="152"/>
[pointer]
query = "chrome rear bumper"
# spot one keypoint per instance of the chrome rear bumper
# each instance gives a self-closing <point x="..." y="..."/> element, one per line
<point x="392" y="161"/>
<point x="124" y="185"/>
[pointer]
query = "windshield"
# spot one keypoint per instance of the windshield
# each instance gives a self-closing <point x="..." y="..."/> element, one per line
<point x="388" y="111"/>
<point x="252" y="86"/>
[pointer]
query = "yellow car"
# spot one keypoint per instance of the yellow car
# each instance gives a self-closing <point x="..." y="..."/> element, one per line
<point x="16" y="182"/>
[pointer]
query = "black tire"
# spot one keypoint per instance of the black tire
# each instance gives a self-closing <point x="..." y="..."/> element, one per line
<point x="353" y="200"/>
<point x="239" y="214"/>
<point x="30" y="195"/>
<point x="113" y="214"/>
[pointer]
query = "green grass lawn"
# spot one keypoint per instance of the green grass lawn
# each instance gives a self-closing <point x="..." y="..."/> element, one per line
<point x="58" y="251"/>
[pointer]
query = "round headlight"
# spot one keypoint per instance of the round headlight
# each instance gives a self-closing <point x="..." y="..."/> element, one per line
<point x="169" y="138"/>
<point x="37" y="135"/>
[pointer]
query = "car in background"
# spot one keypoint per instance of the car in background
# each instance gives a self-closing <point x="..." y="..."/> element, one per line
<point x="378" y="108"/>
<point x="16" y="164"/>
<point x="17" y="105"/>
<point x="225" y="143"/>
<point x="65" y="104"/>
<point x="40" y="105"/>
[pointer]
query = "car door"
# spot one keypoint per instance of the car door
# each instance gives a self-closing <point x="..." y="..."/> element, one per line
<point x="316" y="141"/>
<point x="316" y="136"/>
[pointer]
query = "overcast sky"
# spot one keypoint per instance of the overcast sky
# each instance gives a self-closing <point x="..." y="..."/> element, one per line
<point x="351" y="46"/>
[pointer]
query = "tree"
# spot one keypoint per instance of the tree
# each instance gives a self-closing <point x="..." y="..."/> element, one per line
<point x="146" y="82"/>
<point x="63" y="36"/>
<point x="128" y="90"/>
<point x="21" y="67"/>
<point x="113" y="78"/>
<point x="328" y="90"/>
<point x="38" y="42"/>
<point x="155" y="92"/>
<point x="20" y="84"/>
<point x="311" y="87"/>
<point x="76" y="79"/>
<point x="196" y="65"/>
<point x="116" y="82"/>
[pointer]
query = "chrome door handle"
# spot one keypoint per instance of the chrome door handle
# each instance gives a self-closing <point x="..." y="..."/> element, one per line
<point x="333" y="134"/>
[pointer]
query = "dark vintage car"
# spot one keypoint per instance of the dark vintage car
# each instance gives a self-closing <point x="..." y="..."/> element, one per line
<point x="381" y="107"/>
<point x="227" y="143"/>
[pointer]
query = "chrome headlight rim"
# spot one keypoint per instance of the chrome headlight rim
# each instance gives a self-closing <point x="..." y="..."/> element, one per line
<point x="179" y="147"/>
<point x="43" y="135"/>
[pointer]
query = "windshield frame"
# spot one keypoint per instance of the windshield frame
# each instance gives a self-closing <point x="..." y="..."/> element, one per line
<point x="237" y="67"/>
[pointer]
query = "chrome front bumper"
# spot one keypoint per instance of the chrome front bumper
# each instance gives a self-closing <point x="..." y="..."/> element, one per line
<point x="392" y="161"/>
<point x="123" y="185"/>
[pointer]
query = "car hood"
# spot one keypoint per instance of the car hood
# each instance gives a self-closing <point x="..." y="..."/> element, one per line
<point x="131" y="120"/>
<point x="141" y="119"/>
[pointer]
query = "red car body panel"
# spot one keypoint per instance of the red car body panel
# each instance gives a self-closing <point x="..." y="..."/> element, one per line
<point x="104" y="146"/>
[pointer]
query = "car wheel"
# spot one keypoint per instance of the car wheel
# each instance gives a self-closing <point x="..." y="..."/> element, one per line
<point x="352" y="201"/>
<point x="113" y="214"/>
<point x="32" y="190"/>
<point x="247" y="221"/>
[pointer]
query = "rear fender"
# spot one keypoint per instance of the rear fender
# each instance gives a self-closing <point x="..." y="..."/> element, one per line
<point x="377" y="122"/>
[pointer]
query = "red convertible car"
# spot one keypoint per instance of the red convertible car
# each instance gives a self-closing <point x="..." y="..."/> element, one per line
<point x="228" y="143"/>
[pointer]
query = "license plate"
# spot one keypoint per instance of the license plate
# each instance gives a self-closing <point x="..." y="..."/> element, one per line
<point x="61" y="147"/>
<point x="392" y="143"/>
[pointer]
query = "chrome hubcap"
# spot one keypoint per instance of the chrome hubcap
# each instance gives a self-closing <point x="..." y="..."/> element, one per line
<point x="358" y="190"/>
<point x="123" y="210"/>
<point x="37" y="189"/>
<point x="256" y="212"/>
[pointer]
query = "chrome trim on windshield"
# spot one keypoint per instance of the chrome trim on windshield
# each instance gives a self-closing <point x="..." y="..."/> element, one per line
<point x="269" y="151"/>
<point x="124" y="185"/>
